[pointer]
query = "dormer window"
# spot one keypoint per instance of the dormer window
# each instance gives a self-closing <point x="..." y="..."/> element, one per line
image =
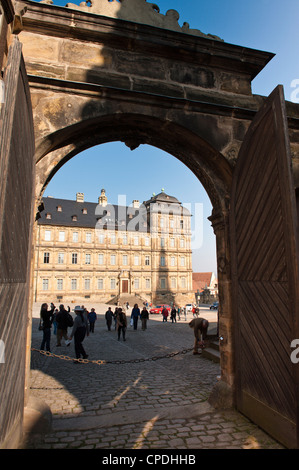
<point x="74" y="218"/>
<point x="84" y="210"/>
<point x="48" y="216"/>
<point x="59" y="209"/>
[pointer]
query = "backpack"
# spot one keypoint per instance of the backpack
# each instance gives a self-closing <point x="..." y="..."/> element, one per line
<point x="70" y="320"/>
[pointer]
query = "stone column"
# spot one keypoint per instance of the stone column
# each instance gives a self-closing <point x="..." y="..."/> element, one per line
<point x="223" y="394"/>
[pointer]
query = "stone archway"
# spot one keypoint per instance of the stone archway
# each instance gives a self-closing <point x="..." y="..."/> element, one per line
<point x="96" y="79"/>
<point x="113" y="76"/>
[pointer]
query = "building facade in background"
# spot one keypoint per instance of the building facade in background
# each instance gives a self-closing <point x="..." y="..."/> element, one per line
<point x="102" y="252"/>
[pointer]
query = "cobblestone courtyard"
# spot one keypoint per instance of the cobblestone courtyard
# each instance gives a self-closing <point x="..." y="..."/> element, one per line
<point x="153" y="404"/>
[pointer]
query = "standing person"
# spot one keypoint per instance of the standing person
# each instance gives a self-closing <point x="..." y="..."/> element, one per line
<point x="47" y="319"/>
<point x="64" y="320"/>
<point x="164" y="314"/>
<point x="108" y="318"/>
<point x="121" y="324"/>
<point x="135" y="315"/>
<point x="173" y="314"/>
<point x="92" y="318"/>
<point x="80" y="329"/>
<point x="115" y="317"/>
<point x="179" y="313"/>
<point x="200" y="327"/>
<point x="54" y="323"/>
<point x="144" y="317"/>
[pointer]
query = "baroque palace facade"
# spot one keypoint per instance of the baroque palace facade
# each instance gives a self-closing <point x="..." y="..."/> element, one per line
<point x="101" y="252"/>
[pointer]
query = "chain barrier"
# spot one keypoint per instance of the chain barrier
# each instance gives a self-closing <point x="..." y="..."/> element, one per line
<point x="104" y="362"/>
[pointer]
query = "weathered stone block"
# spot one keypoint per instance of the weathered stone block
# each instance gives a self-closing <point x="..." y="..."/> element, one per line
<point x="189" y="75"/>
<point x="89" y="56"/>
<point x="40" y="48"/>
<point x="235" y="84"/>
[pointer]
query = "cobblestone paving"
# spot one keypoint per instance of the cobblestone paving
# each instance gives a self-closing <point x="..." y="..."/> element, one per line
<point x="160" y="404"/>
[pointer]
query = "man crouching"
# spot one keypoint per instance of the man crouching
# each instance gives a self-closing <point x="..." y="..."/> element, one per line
<point x="200" y="327"/>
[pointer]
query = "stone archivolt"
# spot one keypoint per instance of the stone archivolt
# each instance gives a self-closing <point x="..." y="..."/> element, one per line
<point x="138" y="11"/>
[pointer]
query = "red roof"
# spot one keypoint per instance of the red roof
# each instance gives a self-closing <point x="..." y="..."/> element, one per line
<point x="201" y="280"/>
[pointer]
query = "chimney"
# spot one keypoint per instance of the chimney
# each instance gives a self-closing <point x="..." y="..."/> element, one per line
<point x="136" y="204"/>
<point x="103" y="198"/>
<point x="80" y="197"/>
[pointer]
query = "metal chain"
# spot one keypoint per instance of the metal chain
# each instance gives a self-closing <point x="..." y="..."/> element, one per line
<point x="102" y="361"/>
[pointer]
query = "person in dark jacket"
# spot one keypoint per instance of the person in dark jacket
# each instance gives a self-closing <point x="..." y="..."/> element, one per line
<point x="80" y="329"/>
<point x="92" y="318"/>
<point x="121" y="324"/>
<point x="109" y="317"/>
<point x="144" y="317"/>
<point x="135" y="315"/>
<point x="62" y="320"/>
<point x="200" y="327"/>
<point x="46" y="317"/>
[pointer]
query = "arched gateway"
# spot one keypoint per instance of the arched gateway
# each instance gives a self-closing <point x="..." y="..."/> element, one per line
<point x="120" y="70"/>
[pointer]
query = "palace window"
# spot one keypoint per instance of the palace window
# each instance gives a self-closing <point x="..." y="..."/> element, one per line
<point x="47" y="258"/>
<point x="100" y="284"/>
<point x="147" y="261"/>
<point x="60" y="258"/>
<point x="59" y="284"/>
<point x="74" y="258"/>
<point x="61" y="236"/>
<point x="87" y="258"/>
<point x="45" y="284"/>
<point x="47" y="235"/>
<point x="87" y="284"/>
<point x="88" y="237"/>
<point x="101" y="237"/>
<point x="75" y="237"/>
<point x="74" y="284"/>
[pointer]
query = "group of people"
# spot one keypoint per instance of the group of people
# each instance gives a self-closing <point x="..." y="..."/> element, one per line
<point x="83" y="323"/>
<point x="119" y="316"/>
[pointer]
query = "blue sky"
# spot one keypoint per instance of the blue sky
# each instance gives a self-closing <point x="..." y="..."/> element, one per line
<point x="269" y="25"/>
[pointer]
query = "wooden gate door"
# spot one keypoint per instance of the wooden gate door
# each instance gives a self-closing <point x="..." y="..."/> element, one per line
<point x="16" y="214"/>
<point x="264" y="248"/>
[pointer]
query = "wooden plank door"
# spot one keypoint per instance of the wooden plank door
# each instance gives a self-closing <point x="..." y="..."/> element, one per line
<point x="265" y="275"/>
<point x="16" y="220"/>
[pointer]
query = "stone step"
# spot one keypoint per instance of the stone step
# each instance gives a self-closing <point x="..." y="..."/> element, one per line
<point x="212" y="351"/>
